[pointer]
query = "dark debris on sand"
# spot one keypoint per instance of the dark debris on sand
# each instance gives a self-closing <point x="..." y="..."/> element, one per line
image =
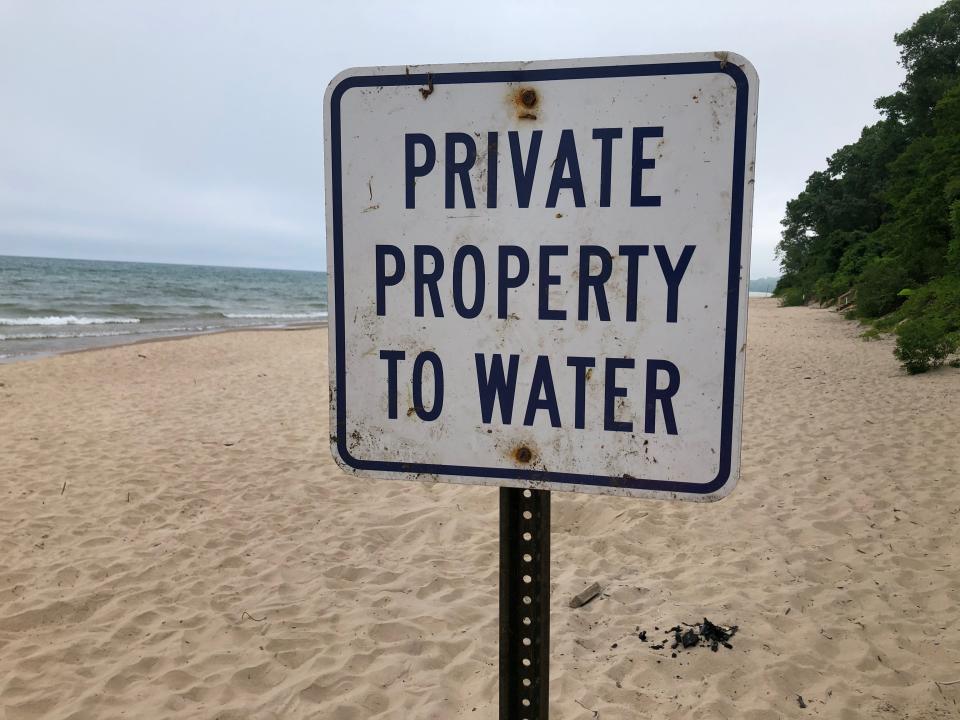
<point x="705" y="634"/>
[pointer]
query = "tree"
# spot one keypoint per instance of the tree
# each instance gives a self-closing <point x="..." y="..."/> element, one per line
<point x="924" y="186"/>
<point x="838" y="206"/>
<point x="930" y="53"/>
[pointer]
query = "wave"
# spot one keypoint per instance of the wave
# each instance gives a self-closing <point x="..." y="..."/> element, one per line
<point x="107" y="333"/>
<point x="275" y="316"/>
<point x="69" y="320"/>
<point x="66" y="336"/>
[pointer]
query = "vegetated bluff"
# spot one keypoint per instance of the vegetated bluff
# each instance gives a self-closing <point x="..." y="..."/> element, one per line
<point x="884" y="217"/>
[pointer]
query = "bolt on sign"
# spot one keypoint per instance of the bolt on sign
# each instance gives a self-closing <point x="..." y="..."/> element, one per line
<point x="539" y="272"/>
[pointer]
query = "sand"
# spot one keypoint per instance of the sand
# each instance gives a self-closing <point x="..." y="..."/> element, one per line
<point x="176" y="542"/>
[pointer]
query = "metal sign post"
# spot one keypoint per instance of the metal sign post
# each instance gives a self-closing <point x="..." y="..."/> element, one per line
<point x="524" y="604"/>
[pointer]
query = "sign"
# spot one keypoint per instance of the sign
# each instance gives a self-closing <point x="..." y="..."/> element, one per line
<point x="538" y="272"/>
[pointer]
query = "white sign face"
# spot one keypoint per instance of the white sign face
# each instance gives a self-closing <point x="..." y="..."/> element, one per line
<point x="538" y="272"/>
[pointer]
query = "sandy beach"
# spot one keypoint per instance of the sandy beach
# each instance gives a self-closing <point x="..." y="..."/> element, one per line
<point x="177" y="542"/>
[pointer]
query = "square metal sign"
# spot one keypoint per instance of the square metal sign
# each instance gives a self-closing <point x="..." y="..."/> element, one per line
<point x="538" y="272"/>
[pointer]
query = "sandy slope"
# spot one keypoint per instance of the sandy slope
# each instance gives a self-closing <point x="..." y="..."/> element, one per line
<point x="206" y="559"/>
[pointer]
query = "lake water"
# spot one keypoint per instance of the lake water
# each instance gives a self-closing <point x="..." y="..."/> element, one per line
<point x="51" y="305"/>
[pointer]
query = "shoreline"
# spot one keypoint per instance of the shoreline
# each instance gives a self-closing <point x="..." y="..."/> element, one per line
<point x="33" y="357"/>
<point x="120" y="341"/>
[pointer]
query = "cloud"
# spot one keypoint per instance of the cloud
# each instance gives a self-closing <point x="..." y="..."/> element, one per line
<point x="191" y="132"/>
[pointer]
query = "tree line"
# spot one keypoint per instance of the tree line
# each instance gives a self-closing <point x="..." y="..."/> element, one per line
<point x="883" y="218"/>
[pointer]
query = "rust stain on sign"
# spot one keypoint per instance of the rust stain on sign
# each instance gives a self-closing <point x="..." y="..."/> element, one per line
<point x="526" y="101"/>
<point x="428" y="90"/>
<point x="523" y="454"/>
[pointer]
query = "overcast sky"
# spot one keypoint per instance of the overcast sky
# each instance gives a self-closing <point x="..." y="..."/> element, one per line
<point x="192" y="131"/>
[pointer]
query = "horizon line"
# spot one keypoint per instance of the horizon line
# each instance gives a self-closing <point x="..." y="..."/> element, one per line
<point x="159" y="262"/>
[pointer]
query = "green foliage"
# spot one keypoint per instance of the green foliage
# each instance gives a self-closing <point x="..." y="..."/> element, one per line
<point x="887" y="323"/>
<point x="930" y="326"/>
<point x="953" y="249"/>
<point x="922" y="188"/>
<point x="785" y="283"/>
<point x="884" y="215"/>
<point x="870" y="334"/>
<point x="924" y="343"/>
<point x="828" y="288"/>
<point x="939" y="299"/>
<point x="792" y="297"/>
<point x="930" y="53"/>
<point x="838" y="207"/>
<point x="862" y="249"/>
<point x="878" y="291"/>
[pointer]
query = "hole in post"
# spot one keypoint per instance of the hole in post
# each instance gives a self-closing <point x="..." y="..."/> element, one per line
<point x="527" y="621"/>
<point x="527" y="493"/>
<point x="526" y="641"/>
<point x="527" y="599"/>
<point x="525" y="662"/>
<point x="526" y="682"/>
<point x="527" y="515"/>
<point x="527" y="579"/>
<point x="525" y="702"/>
<point x="528" y="558"/>
<point x="527" y="536"/>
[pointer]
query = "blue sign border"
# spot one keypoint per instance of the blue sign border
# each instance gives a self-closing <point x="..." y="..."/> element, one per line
<point x="733" y="271"/>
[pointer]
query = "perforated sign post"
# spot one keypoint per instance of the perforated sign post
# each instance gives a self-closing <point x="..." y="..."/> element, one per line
<point x="538" y="280"/>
